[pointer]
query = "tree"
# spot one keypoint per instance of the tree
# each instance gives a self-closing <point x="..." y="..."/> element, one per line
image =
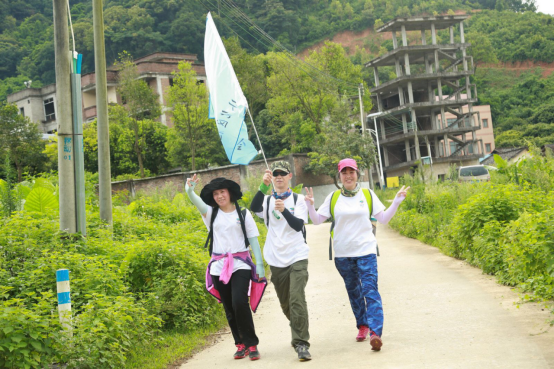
<point x="140" y="103"/>
<point x="341" y="140"/>
<point x="303" y="96"/>
<point x="193" y="134"/>
<point x="21" y="140"/>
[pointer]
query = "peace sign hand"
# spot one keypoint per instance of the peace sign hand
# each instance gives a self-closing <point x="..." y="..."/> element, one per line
<point x="309" y="195"/>
<point x="191" y="183"/>
<point x="402" y="193"/>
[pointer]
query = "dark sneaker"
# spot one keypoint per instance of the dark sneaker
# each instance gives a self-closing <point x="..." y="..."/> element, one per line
<point x="254" y="353"/>
<point x="303" y="353"/>
<point x="375" y="342"/>
<point x="242" y="351"/>
<point x="363" y="331"/>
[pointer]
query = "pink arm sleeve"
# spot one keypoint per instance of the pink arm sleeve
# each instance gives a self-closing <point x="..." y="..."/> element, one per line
<point x="385" y="216"/>
<point x="314" y="215"/>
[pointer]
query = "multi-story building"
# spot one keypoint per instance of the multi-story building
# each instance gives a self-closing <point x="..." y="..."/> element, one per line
<point x="39" y="104"/>
<point x="426" y="113"/>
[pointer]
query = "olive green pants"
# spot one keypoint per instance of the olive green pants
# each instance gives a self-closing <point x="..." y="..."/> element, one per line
<point x="290" y="283"/>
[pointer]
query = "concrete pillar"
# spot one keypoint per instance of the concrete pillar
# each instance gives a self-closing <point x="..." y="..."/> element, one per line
<point x="398" y="67"/>
<point x="462" y="36"/>
<point x="404" y="36"/>
<point x="376" y="74"/>
<point x="404" y="123"/>
<point x="394" y="40"/>
<point x="437" y="64"/>
<point x="423" y="39"/>
<point x="443" y="119"/>
<point x="407" y="64"/>
<point x="428" y="68"/>
<point x="161" y="98"/>
<point x="386" y="155"/>
<point x="451" y="34"/>
<point x="410" y="93"/>
<point x="408" y="153"/>
<point x="379" y="102"/>
<point x="433" y="34"/>
<point x="401" y="95"/>
<point x="382" y="131"/>
<point x="446" y="146"/>
<point x="416" y="139"/>
<point x="439" y="81"/>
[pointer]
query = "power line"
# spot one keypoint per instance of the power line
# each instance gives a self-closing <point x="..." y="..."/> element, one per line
<point x="263" y="38"/>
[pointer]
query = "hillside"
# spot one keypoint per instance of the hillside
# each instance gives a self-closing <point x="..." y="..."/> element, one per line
<point x="508" y="35"/>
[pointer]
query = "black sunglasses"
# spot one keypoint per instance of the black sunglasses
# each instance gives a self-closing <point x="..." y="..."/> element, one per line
<point x="279" y="173"/>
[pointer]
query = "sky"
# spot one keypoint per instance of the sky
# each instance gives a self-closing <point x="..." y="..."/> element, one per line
<point x="545" y="6"/>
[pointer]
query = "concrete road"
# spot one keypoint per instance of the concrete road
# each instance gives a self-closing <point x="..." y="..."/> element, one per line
<point x="439" y="313"/>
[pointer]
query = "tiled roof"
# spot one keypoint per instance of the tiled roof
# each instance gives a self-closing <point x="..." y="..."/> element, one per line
<point x="505" y="153"/>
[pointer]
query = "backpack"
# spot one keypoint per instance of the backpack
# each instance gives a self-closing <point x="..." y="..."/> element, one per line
<point x="295" y="197"/>
<point x="334" y="200"/>
<point x="210" y="239"/>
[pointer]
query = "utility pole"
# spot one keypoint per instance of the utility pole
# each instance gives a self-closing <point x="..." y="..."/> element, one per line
<point x="104" y="169"/>
<point x="64" y="117"/>
<point x="360" y="89"/>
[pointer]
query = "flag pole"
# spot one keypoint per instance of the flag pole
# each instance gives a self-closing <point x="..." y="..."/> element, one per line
<point x="258" y="137"/>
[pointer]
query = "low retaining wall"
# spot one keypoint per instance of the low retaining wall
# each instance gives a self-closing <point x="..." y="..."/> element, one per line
<point x="322" y="184"/>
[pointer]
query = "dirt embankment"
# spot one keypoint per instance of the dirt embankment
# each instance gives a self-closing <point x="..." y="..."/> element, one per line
<point x="519" y="67"/>
<point x="349" y="40"/>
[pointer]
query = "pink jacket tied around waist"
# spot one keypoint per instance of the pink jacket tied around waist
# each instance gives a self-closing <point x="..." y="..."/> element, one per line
<point x="257" y="286"/>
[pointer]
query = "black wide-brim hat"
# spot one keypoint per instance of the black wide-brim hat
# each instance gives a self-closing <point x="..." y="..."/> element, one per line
<point x="217" y="184"/>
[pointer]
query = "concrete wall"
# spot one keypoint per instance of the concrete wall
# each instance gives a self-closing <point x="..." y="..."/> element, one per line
<point x="243" y="175"/>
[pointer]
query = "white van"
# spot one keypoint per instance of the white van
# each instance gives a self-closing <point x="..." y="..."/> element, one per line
<point x="473" y="173"/>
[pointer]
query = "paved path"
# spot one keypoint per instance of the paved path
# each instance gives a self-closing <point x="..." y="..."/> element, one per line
<point x="439" y="313"/>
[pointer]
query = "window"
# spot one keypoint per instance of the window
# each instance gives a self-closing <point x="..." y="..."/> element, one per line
<point x="453" y="147"/>
<point x="450" y="121"/>
<point x="488" y="147"/>
<point x="470" y="147"/>
<point x="477" y="170"/>
<point x="49" y="111"/>
<point x="22" y="111"/>
<point x="485" y="123"/>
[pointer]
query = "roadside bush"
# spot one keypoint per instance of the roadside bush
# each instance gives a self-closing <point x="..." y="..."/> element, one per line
<point x="502" y="203"/>
<point x="28" y="334"/>
<point x="504" y="227"/>
<point x="105" y="331"/>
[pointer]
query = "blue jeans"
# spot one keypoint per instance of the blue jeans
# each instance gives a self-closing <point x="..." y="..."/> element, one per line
<point x="360" y="278"/>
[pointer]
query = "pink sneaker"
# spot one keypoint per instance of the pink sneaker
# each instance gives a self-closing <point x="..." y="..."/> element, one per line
<point x="375" y="342"/>
<point x="362" y="333"/>
<point x="242" y="351"/>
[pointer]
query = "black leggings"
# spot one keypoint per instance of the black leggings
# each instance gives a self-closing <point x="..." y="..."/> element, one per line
<point x="234" y="296"/>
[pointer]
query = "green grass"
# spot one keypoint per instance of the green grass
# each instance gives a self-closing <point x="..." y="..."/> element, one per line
<point x="172" y="347"/>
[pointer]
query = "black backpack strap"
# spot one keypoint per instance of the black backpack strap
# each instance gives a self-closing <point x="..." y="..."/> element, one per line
<point x="242" y="217"/>
<point x="295" y="197"/>
<point x="210" y="240"/>
<point x="267" y="211"/>
<point x="331" y="231"/>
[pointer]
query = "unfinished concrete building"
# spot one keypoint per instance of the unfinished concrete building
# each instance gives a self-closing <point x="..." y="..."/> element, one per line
<point x="431" y="80"/>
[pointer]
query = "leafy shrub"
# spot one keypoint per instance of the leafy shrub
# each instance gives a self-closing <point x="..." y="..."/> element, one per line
<point x="28" y="334"/>
<point x="105" y="331"/>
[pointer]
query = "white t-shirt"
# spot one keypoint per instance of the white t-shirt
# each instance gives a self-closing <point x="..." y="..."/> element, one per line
<point x="352" y="236"/>
<point x="228" y="237"/>
<point x="283" y="245"/>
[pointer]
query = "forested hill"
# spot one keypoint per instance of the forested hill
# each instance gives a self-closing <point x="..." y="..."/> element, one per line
<point x="500" y="30"/>
<point x="144" y="26"/>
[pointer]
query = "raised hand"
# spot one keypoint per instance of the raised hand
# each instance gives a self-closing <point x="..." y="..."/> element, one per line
<point x="268" y="177"/>
<point x="309" y="195"/>
<point x="402" y="193"/>
<point x="192" y="182"/>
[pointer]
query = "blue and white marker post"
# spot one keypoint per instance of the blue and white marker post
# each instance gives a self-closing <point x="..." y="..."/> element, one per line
<point x="64" y="299"/>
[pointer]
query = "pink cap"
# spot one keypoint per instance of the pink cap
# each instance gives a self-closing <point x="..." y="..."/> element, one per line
<point x="347" y="163"/>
